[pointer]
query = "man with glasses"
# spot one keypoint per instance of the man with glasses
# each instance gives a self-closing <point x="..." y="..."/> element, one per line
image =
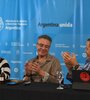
<point x="72" y="64"/>
<point x="42" y="68"/>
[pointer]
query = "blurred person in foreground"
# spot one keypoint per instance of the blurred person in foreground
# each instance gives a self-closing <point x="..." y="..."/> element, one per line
<point x="44" y="66"/>
<point x="72" y="64"/>
<point x="4" y="69"/>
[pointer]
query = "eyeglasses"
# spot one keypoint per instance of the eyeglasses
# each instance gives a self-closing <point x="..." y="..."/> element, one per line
<point x="42" y="45"/>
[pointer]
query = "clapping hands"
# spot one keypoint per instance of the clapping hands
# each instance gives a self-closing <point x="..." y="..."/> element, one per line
<point x="69" y="59"/>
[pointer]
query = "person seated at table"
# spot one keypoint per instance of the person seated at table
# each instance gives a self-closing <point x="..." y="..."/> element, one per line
<point x="72" y="64"/>
<point x="4" y="68"/>
<point x="44" y="67"/>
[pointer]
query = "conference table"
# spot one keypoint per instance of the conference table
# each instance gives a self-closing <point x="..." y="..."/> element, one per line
<point x="41" y="91"/>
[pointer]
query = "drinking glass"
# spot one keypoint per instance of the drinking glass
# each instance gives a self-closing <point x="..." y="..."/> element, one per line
<point x="59" y="79"/>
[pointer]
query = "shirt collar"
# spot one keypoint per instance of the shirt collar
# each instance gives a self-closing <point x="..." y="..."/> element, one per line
<point x="48" y="58"/>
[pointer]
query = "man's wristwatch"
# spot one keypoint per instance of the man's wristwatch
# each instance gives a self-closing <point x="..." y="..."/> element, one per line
<point x="76" y="67"/>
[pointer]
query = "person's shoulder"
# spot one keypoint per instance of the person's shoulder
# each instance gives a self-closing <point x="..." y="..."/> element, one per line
<point x="3" y="59"/>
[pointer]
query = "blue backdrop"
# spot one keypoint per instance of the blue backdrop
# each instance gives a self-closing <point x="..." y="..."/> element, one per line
<point x="22" y="21"/>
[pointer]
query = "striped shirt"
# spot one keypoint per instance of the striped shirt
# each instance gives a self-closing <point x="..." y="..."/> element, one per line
<point x="4" y="66"/>
<point x="86" y="66"/>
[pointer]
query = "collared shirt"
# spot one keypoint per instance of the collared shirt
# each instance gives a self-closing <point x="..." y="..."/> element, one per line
<point x="50" y="66"/>
<point x="86" y="66"/>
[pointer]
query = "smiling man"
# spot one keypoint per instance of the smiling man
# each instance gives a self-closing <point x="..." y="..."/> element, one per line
<point x="44" y="67"/>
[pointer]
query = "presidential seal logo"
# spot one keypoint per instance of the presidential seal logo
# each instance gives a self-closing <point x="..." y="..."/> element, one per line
<point x="1" y="24"/>
<point x="84" y="76"/>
